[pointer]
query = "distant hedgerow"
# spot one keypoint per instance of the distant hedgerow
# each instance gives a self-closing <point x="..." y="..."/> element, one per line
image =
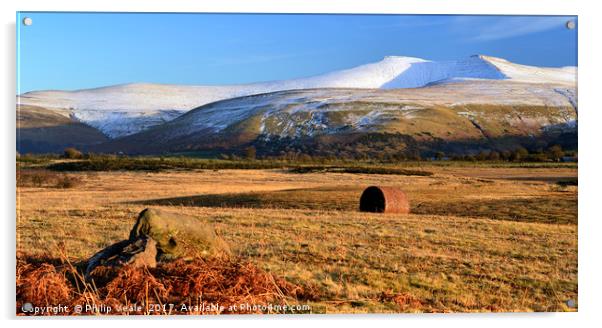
<point x="45" y="178"/>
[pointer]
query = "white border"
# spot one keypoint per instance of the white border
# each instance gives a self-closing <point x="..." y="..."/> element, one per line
<point x="590" y="112"/>
<point x="551" y="7"/>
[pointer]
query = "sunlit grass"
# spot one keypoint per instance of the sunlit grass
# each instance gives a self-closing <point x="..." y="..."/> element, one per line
<point x="484" y="239"/>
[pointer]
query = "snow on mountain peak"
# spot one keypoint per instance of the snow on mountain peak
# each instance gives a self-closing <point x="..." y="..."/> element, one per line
<point x="533" y="74"/>
<point x="402" y="59"/>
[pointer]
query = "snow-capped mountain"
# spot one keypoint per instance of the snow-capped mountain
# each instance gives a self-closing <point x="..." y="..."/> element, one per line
<point x="470" y="111"/>
<point x="123" y="110"/>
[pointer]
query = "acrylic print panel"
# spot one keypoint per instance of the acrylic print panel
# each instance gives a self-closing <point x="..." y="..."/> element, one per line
<point x="190" y="164"/>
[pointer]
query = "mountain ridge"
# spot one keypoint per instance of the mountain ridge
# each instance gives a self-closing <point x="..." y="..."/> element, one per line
<point x="127" y="109"/>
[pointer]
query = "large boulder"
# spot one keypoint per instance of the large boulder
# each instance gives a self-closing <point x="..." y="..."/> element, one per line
<point x="178" y="236"/>
<point x="161" y="236"/>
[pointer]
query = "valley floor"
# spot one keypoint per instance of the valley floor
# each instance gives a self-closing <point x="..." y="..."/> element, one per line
<point x="478" y="238"/>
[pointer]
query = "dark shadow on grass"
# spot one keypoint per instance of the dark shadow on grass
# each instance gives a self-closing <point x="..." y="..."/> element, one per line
<point x="211" y="200"/>
<point x="553" y="210"/>
<point x="566" y="181"/>
<point x="342" y="199"/>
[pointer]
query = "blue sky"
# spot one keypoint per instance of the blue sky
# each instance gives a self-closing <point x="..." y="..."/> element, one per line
<point x="66" y="51"/>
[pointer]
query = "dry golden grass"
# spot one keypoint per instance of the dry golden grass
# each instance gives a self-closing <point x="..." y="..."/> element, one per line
<point x="480" y="239"/>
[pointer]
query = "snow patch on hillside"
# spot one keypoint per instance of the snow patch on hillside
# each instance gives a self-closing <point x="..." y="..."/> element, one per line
<point x="120" y="123"/>
<point x="570" y="95"/>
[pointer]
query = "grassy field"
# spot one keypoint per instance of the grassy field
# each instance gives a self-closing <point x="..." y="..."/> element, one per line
<point x="480" y="238"/>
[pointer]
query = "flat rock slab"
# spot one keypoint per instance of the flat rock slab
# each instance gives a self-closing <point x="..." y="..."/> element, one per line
<point x="141" y="252"/>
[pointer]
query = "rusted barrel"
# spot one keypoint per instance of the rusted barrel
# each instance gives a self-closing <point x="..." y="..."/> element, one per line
<point x="384" y="200"/>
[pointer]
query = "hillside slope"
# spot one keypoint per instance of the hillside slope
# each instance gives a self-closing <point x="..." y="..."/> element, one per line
<point x="40" y="130"/>
<point x="465" y="116"/>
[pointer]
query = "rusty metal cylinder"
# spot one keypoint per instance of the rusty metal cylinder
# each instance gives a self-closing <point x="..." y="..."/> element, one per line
<point x="378" y="199"/>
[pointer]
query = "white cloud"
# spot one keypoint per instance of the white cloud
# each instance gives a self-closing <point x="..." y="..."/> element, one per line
<point x="496" y="28"/>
